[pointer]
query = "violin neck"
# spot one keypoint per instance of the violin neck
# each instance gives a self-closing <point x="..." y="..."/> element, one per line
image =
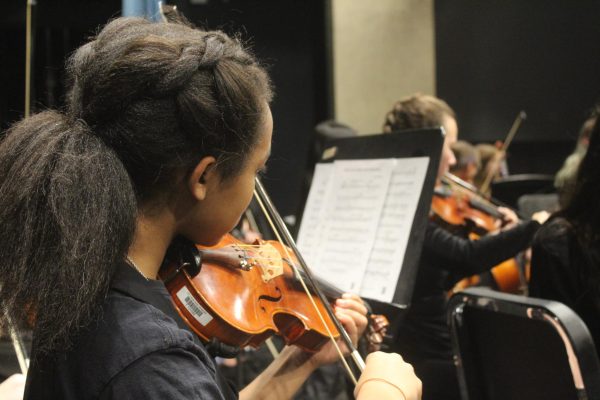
<point x="486" y="208"/>
<point x="329" y="290"/>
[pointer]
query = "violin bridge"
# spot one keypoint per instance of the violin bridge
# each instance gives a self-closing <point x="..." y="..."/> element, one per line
<point x="269" y="261"/>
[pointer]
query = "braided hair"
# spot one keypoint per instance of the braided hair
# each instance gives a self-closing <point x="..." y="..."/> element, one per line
<point x="146" y="102"/>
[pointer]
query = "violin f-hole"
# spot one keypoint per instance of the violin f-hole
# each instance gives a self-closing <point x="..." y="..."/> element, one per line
<point x="270" y="298"/>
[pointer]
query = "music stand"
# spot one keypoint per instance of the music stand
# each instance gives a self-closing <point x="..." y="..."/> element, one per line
<point x="405" y="144"/>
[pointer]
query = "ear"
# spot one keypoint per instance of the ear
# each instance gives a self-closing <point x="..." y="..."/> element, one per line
<point x="202" y="175"/>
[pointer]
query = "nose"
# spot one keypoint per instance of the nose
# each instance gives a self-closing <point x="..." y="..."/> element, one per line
<point x="451" y="158"/>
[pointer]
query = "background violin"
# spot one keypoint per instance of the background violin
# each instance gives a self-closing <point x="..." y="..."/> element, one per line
<point x="462" y="210"/>
<point x="463" y="213"/>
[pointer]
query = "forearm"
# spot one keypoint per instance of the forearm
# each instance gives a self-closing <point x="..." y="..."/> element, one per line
<point x="282" y="378"/>
<point x="474" y="256"/>
<point x="492" y="249"/>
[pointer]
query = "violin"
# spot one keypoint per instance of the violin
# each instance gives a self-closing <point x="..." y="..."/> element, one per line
<point x="472" y="207"/>
<point x="267" y="297"/>
<point x="461" y="211"/>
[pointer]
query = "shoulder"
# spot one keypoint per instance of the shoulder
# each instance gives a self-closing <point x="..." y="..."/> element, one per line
<point x="132" y="329"/>
<point x="128" y="335"/>
<point x="172" y="373"/>
<point x="556" y="232"/>
<point x="139" y="327"/>
<point x="553" y="250"/>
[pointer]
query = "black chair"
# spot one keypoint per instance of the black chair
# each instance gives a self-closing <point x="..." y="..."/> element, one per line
<point x="514" y="347"/>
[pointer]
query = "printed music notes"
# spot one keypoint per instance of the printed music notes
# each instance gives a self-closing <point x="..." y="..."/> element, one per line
<point x="357" y="222"/>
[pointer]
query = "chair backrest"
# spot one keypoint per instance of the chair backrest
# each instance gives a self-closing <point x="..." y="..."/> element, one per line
<point x="514" y="347"/>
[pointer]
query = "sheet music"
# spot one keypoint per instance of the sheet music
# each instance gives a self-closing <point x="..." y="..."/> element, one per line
<point x="357" y="222"/>
<point x="347" y="222"/>
<point x="387" y="255"/>
<point x="311" y="227"/>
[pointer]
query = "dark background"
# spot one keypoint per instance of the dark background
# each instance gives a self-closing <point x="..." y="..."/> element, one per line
<point x="494" y="58"/>
<point x="289" y="36"/>
<point x="497" y="57"/>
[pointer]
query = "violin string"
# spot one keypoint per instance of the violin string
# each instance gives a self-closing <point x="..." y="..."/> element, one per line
<point x="266" y="258"/>
<point x="312" y="300"/>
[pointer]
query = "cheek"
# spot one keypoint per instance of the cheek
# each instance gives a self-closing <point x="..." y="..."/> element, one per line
<point x="248" y="191"/>
<point x="242" y="197"/>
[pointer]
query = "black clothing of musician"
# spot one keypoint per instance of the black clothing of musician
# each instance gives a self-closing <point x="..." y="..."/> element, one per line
<point x="423" y="336"/>
<point x="562" y="270"/>
<point x="139" y="335"/>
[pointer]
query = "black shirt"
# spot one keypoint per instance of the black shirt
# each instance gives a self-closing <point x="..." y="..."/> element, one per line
<point x="562" y="269"/>
<point x="139" y="349"/>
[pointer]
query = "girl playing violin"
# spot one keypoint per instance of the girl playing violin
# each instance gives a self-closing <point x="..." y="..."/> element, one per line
<point x="423" y="336"/>
<point x="165" y="130"/>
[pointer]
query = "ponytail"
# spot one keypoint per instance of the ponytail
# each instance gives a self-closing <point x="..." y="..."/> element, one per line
<point x="67" y="217"/>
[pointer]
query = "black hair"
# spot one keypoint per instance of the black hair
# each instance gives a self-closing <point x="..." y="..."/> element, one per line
<point x="147" y="101"/>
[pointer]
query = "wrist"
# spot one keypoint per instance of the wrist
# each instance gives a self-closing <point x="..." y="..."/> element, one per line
<point x="372" y="382"/>
<point x="302" y="357"/>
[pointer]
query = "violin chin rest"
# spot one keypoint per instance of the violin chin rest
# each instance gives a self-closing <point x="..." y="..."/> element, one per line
<point x="217" y="348"/>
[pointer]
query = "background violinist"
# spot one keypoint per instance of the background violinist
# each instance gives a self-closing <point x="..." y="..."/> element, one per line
<point x="423" y="336"/>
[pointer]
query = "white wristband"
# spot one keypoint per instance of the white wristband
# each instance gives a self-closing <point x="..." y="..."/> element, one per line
<point x="357" y="389"/>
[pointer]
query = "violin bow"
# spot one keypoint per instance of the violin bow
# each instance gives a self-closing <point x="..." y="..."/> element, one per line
<point x="279" y="227"/>
<point x="15" y="336"/>
<point x="28" y="55"/>
<point x="18" y="344"/>
<point x="521" y="116"/>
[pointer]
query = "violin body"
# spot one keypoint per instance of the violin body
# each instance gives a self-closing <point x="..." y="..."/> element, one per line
<point x="460" y="213"/>
<point x="506" y="275"/>
<point x="244" y="294"/>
